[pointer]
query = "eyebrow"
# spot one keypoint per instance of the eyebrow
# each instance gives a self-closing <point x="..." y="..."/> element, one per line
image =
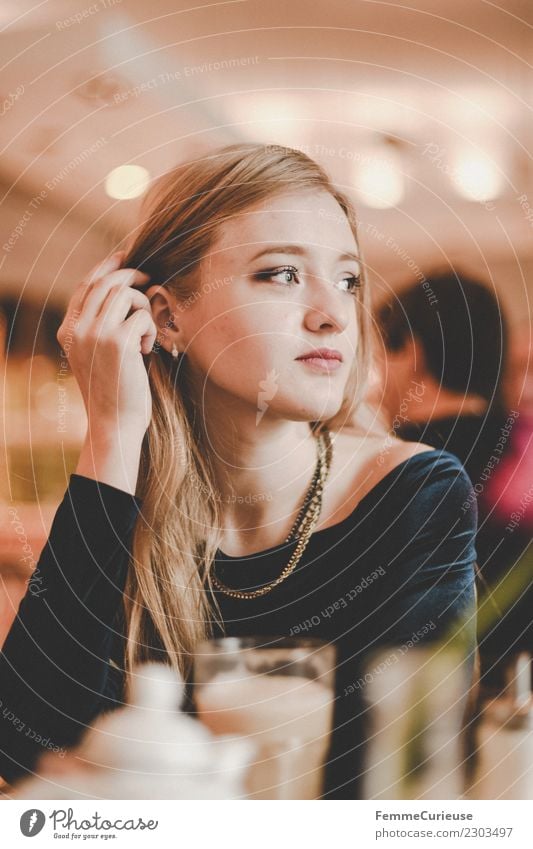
<point x="299" y="251"/>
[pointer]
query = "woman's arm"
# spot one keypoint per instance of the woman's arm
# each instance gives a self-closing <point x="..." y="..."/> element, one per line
<point x="430" y="586"/>
<point x="431" y="583"/>
<point x="54" y="666"/>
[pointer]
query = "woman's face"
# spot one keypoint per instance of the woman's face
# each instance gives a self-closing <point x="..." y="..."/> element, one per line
<point x="279" y="282"/>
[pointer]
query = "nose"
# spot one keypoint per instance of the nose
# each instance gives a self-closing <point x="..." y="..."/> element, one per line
<point x="327" y="307"/>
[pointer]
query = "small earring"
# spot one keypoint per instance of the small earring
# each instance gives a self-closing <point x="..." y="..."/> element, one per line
<point x="175" y="353"/>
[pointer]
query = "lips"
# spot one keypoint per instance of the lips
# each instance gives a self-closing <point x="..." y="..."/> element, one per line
<point x="322" y="354"/>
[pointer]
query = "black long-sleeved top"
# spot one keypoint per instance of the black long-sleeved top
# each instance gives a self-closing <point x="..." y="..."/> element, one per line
<point x="399" y="568"/>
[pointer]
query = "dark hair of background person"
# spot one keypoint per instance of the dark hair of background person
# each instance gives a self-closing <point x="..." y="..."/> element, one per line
<point x="461" y="327"/>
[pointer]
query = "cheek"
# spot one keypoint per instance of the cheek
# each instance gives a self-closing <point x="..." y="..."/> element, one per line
<point x="232" y="345"/>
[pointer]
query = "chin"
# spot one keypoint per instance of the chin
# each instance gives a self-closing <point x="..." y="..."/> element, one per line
<point x="303" y="404"/>
<point x="315" y="413"/>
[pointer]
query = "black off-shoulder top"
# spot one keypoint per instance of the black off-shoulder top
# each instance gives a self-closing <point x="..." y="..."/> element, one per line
<point x="399" y="568"/>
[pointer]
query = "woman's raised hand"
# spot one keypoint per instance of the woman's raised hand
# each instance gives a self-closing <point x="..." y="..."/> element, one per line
<point x="104" y="347"/>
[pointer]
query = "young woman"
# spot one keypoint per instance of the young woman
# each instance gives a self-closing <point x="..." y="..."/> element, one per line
<point x="224" y="487"/>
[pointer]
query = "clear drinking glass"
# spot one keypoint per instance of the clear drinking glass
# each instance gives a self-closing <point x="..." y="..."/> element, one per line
<point x="278" y="692"/>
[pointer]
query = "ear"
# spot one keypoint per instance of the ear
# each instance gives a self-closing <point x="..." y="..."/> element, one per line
<point x="165" y="312"/>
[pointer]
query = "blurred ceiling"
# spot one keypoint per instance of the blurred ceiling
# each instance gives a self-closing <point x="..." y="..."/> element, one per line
<point x="87" y="87"/>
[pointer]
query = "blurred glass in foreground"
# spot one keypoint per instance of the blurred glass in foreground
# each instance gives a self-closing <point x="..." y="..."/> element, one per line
<point x="277" y="693"/>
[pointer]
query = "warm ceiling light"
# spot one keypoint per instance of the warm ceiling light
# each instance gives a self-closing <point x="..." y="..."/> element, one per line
<point x="476" y="177"/>
<point x="379" y="181"/>
<point x="127" y="181"/>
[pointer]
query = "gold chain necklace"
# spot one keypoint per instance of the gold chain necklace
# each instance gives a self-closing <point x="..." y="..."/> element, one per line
<point x="302" y="527"/>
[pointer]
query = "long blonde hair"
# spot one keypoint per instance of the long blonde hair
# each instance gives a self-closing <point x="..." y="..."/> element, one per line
<point x="168" y="603"/>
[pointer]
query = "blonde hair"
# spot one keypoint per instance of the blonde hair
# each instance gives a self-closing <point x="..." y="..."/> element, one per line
<point x="168" y="603"/>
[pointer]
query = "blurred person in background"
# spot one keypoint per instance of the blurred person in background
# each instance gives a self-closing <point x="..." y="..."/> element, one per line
<point x="450" y="381"/>
<point x="445" y="345"/>
<point x="508" y="501"/>
<point x="509" y="488"/>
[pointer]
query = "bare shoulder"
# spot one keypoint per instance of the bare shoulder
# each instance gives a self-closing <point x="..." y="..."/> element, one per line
<point x="401" y="451"/>
<point x="381" y="452"/>
<point x="359" y="463"/>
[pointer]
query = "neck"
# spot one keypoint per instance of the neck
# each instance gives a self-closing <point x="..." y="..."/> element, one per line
<point x="261" y="469"/>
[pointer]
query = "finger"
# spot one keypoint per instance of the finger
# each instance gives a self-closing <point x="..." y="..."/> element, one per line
<point x="99" y="291"/>
<point x="140" y="330"/>
<point x="75" y="305"/>
<point x="106" y="266"/>
<point x="117" y="305"/>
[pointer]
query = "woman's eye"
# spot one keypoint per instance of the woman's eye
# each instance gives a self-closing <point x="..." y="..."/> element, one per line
<point x="288" y="274"/>
<point x="283" y="275"/>
<point x="352" y="283"/>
